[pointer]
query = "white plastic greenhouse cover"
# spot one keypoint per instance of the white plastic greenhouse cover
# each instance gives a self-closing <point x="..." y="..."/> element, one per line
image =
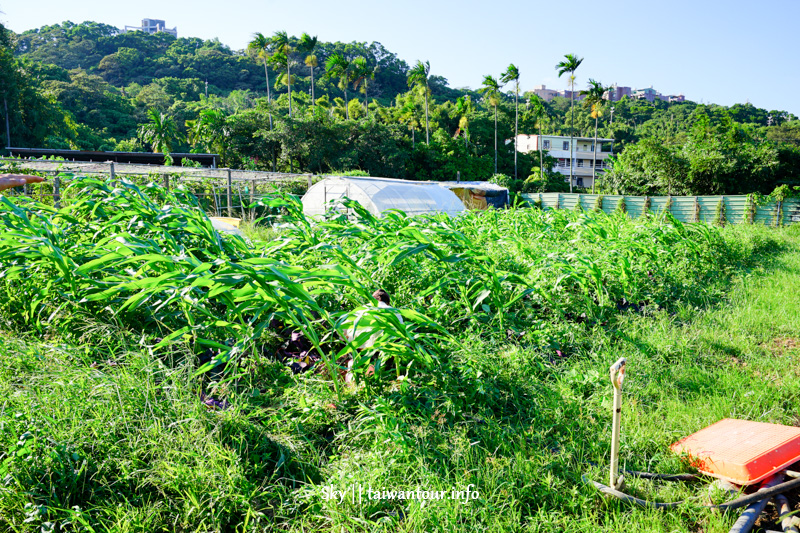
<point x="380" y="194"/>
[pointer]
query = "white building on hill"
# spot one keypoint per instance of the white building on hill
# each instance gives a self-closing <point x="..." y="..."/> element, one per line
<point x="153" y="26"/>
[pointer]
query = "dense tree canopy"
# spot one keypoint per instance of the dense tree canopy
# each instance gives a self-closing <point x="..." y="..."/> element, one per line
<point x="89" y="86"/>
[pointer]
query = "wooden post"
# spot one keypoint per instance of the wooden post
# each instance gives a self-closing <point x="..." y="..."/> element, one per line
<point x="111" y="171"/>
<point x="778" y="213"/>
<point x="252" y="199"/>
<point x="230" y="183"/>
<point x="57" y="192"/>
<point x="216" y="199"/>
<point x="166" y="181"/>
<point x="310" y="181"/>
<point x="241" y="200"/>
<point x="696" y="210"/>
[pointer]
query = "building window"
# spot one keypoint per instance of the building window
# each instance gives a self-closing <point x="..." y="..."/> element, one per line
<point x="580" y="163"/>
<point x="566" y="145"/>
<point x="546" y="144"/>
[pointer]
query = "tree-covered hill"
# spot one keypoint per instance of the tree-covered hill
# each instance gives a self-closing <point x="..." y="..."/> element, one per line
<point x="136" y="57"/>
<point x="303" y="104"/>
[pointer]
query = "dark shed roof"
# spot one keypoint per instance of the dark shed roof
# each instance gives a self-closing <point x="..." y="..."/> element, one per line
<point x="147" y="158"/>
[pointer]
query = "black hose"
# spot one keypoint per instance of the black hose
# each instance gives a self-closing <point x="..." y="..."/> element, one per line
<point x="664" y="477"/>
<point x="733" y="504"/>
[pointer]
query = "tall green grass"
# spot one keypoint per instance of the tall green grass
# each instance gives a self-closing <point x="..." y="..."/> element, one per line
<point x="510" y="320"/>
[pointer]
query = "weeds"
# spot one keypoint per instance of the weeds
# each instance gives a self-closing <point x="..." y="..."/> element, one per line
<point x="495" y="377"/>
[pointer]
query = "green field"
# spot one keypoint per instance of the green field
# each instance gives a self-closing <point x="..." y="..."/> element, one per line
<point x="146" y="376"/>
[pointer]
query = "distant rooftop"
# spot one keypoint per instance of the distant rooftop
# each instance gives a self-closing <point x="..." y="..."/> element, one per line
<point x="152" y="26"/>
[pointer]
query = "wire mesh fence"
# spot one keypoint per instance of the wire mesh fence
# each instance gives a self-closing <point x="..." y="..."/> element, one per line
<point x="221" y="191"/>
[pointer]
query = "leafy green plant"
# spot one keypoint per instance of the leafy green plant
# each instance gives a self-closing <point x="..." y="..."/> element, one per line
<point x="598" y="203"/>
<point x="719" y="214"/>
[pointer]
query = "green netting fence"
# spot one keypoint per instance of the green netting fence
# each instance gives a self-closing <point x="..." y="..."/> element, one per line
<point x="741" y="209"/>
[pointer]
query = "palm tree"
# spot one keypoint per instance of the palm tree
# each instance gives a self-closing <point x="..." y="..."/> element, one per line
<point x="570" y="64"/>
<point x="307" y="46"/>
<point x="512" y="74"/>
<point x="210" y="131"/>
<point x="463" y="109"/>
<point x="339" y="66"/>
<point x="419" y="76"/>
<point x="408" y="114"/>
<point x="594" y="99"/>
<point x="491" y="89"/>
<point x="260" y="45"/>
<point x="362" y="72"/>
<point x="537" y="111"/>
<point x="159" y="132"/>
<point x="280" y="41"/>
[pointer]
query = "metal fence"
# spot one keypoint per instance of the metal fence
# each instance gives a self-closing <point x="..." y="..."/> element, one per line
<point x="220" y="191"/>
<point x="741" y="209"/>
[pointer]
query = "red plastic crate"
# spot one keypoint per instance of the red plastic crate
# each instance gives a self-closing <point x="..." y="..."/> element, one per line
<point x="741" y="451"/>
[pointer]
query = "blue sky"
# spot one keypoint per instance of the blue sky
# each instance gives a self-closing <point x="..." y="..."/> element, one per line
<point x="715" y="52"/>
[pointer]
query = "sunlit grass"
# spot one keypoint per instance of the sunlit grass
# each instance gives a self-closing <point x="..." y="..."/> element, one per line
<point x="516" y="316"/>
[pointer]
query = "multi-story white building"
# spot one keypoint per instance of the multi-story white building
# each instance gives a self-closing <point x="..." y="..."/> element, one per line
<point x="153" y="26"/>
<point x="583" y="154"/>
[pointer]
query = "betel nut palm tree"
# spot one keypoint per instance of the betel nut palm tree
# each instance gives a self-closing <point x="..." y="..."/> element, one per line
<point x="307" y="46"/>
<point x="362" y="73"/>
<point x="512" y="74"/>
<point x="570" y="64"/>
<point x="159" y="132"/>
<point x="463" y="109"/>
<point x="408" y="114"/>
<point x="210" y="130"/>
<point x="537" y="111"/>
<point x="491" y="90"/>
<point x="594" y="99"/>
<point x="260" y="45"/>
<point x="418" y="76"/>
<point x="283" y="57"/>
<point x="338" y="66"/>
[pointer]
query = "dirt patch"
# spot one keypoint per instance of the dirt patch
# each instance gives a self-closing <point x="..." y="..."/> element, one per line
<point x="783" y="345"/>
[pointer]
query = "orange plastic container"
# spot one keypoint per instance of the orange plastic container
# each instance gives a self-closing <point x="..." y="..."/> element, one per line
<point x="741" y="451"/>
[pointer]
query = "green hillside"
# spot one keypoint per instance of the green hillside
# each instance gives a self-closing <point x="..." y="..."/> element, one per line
<point x="87" y="86"/>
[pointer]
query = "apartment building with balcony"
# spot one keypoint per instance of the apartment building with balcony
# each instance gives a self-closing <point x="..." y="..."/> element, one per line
<point x="583" y="154"/>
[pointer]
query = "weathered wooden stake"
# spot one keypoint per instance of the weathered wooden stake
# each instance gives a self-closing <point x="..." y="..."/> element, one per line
<point x="230" y="185"/>
<point x="57" y="192"/>
<point x="252" y="199"/>
<point x="696" y="210"/>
